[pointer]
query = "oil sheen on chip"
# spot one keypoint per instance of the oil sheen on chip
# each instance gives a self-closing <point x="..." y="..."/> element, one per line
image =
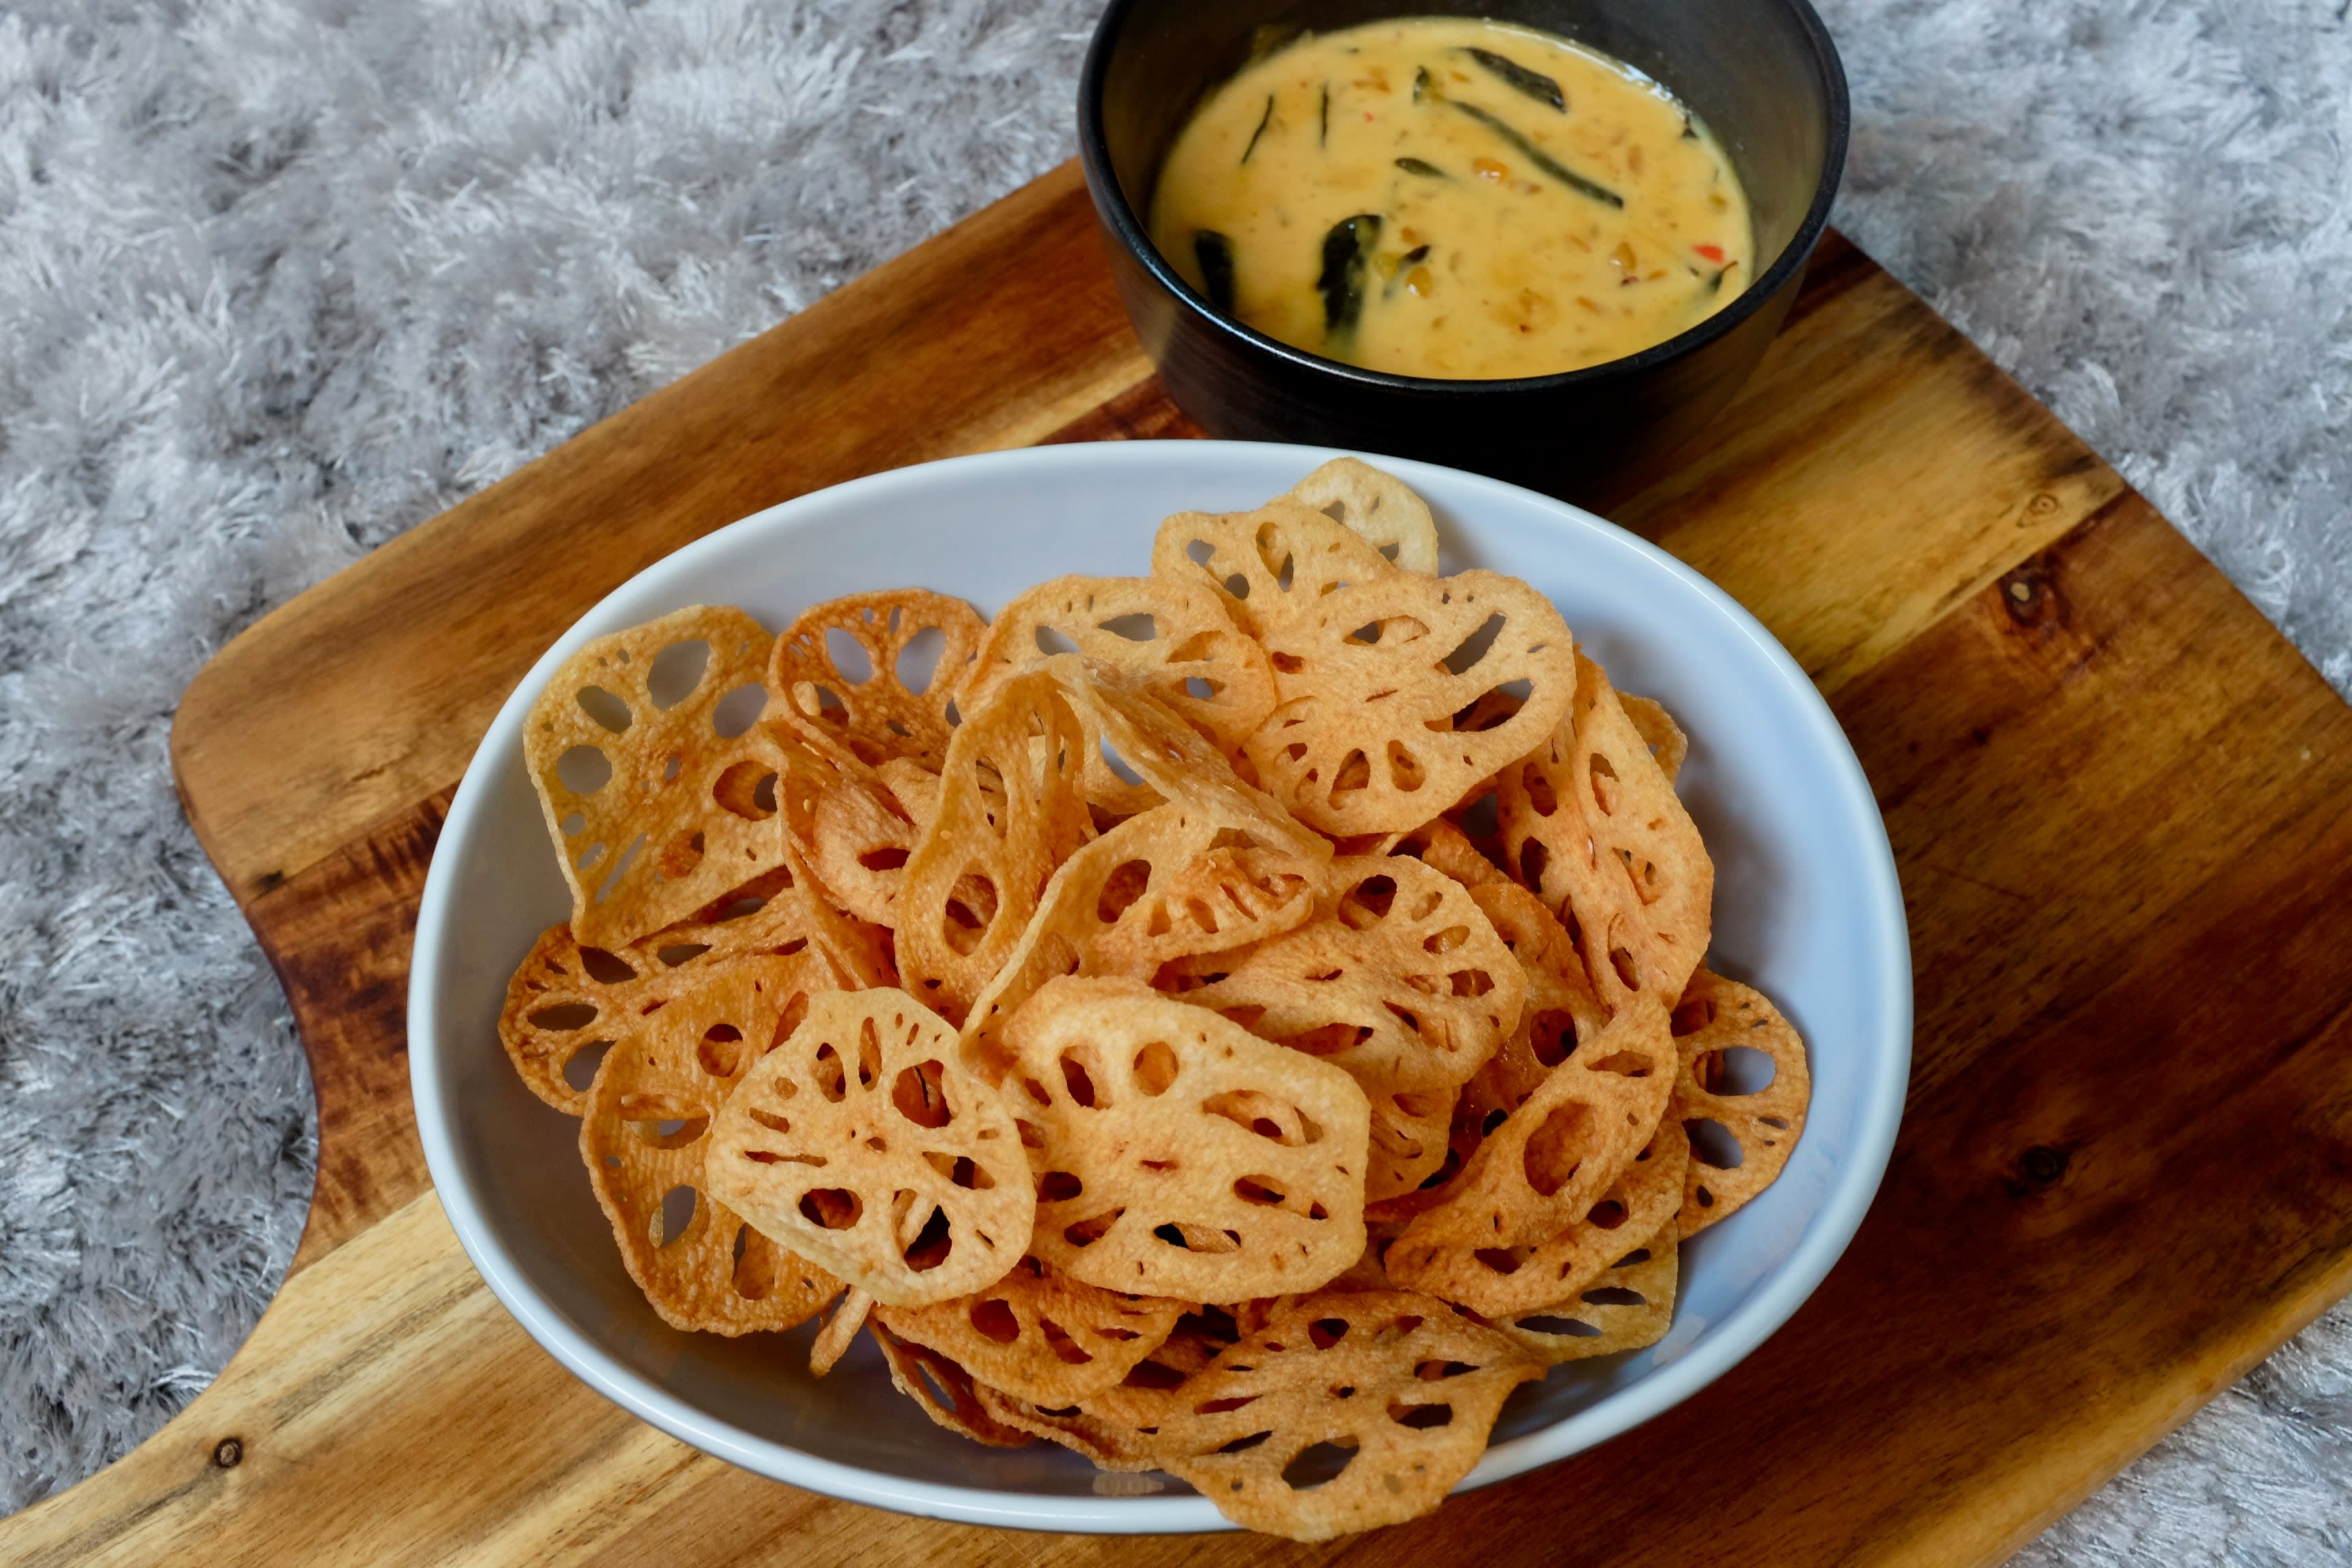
<point x="1448" y="197"/>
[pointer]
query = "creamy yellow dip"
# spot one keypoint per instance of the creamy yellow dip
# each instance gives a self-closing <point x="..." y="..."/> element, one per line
<point x="1441" y="196"/>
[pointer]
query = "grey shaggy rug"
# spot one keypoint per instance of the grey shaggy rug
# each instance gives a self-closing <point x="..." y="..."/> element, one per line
<point x="280" y="279"/>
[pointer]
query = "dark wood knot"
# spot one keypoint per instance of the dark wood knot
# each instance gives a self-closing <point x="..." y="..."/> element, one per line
<point x="228" y="1453"/>
<point x="2030" y="595"/>
<point x="2044" y="1165"/>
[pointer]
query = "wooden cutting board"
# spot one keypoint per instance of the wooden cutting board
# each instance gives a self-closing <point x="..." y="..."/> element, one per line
<point x="2122" y="807"/>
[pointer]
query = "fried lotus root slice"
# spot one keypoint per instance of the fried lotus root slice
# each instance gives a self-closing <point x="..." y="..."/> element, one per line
<point x="945" y="1391"/>
<point x="1012" y="808"/>
<point x="1399" y="979"/>
<point x="1561" y="1012"/>
<point x="561" y="1001"/>
<point x="657" y="799"/>
<point x="858" y="678"/>
<point x="1169" y="636"/>
<point x="1444" y="847"/>
<point x="1375" y="681"/>
<point x="1594" y="826"/>
<point x="565" y="998"/>
<point x="1628" y="1307"/>
<point x="1039" y="1335"/>
<point x="1409" y="1385"/>
<point x="862" y="836"/>
<point x="861" y="1143"/>
<point x="1174" y="763"/>
<point x="1117" y="1428"/>
<point x="1552" y="1159"/>
<point x="642" y="1137"/>
<point x="1167" y="884"/>
<point x="1270" y="567"/>
<point x="1409" y="1140"/>
<point x="1380" y="506"/>
<point x="1764" y="1120"/>
<point x="1500" y="1282"/>
<point x="1178" y="1154"/>
<point x="1665" y="739"/>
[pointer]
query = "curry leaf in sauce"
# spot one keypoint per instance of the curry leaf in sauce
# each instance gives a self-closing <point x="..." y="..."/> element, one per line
<point x="1346" y="250"/>
<point x="1535" y="84"/>
<point x="1215" y="252"/>
<point x="1539" y="157"/>
<point x="1263" y="120"/>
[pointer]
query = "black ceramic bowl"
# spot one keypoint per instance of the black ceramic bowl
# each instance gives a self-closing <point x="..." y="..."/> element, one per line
<point x="1762" y="74"/>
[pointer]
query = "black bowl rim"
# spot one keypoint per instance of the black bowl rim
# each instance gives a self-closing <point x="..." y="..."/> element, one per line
<point x="1118" y="215"/>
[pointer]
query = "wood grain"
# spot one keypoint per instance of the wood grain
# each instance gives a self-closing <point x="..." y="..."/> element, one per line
<point x="2121" y="807"/>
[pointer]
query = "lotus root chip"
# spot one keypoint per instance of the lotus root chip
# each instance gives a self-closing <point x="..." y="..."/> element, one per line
<point x="1592" y="825"/>
<point x="1379" y="505"/>
<point x="1374" y="681"/>
<point x="1168" y="637"/>
<point x="1629" y="1306"/>
<point x="1172" y="882"/>
<point x="644" y="1131"/>
<point x="1039" y="1335"/>
<point x="1403" y="1386"/>
<point x="1508" y="1281"/>
<point x="1717" y="1017"/>
<point x="1399" y="979"/>
<point x="658" y="799"/>
<point x="1657" y="728"/>
<point x="565" y="999"/>
<point x="861" y="1143"/>
<point x="1174" y="763"/>
<point x="862" y="838"/>
<point x="1270" y="567"/>
<point x="1443" y="847"/>
<point x="1011" y="810"/>
<point x="1105" y="1443"/>
<point x="1410" y="1138"/>
<point x="944" y="1390"/>
<point x="1550" y="1160"/>
<point x="1116" y="1428"/>
<point x="560" y="1003"/>
<point x="872" y="677"/>
<point x="1177" y="1153"/>
<point x="840" y="1331"/>
<point x="1561" y="1013"/>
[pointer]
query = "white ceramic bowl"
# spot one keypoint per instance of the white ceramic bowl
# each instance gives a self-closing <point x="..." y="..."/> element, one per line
<point x="1807" y="906"/>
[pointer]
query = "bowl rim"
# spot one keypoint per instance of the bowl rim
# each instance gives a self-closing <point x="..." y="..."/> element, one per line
<point x="1773" y="1300"/>
<point x="1118" y="216"/>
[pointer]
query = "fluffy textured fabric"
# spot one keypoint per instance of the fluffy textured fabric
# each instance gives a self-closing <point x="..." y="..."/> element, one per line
<point x="280" y="280"/>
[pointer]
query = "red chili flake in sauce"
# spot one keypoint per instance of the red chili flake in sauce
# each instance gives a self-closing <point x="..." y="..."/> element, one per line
<point x="1712" y="252"/>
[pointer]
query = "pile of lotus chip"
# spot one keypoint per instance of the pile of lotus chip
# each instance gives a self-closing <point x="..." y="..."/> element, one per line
<point x="1238" y="1022"/>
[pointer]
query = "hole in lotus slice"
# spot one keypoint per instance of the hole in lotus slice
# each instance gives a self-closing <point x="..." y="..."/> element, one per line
<point x="932" y="1244"/>
<point x="669" y="1224"/>
<point x="607" y="709"/>
<point x="734" y="713"/>
<point x="993" y="1318"/>
<point x="676" y="671"/>
<point x="1733" y="1070"/>
<point x="584" y="770"/>
<point x="580" y="1067"/>
<point x="1713" y="1144"/>
<point x="720" y="1052"/>
<point x="1318" y="1465"/>
<point x="917" y="1094"/>
<point x="834" y="1208"/>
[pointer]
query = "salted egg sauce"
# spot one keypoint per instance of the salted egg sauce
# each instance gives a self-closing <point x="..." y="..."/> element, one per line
<point x="1441" y="196"/>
